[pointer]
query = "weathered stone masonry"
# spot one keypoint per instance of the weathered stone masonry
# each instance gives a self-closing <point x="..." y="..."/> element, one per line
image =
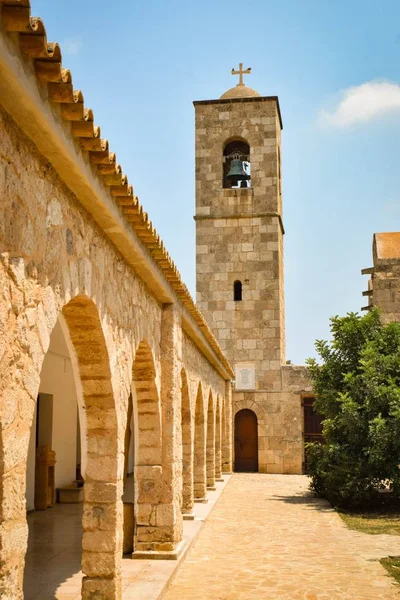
<point x="77" y="247"/>
<point x="239" y="238"/>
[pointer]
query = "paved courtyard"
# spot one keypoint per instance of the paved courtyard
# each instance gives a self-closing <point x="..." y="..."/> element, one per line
<point x="267" y="537"/>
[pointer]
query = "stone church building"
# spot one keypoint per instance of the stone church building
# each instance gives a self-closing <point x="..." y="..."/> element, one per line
<point x="117" y="390"/>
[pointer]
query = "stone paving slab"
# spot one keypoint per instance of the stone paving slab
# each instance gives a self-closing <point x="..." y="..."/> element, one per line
<point x="52" y="570"/>
<point x="269" y="538"/>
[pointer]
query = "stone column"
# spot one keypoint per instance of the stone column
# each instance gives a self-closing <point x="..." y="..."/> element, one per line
<point x="168" y="512"/>
<point x="227" y="430"/>
<point x="14" y="440"/>
<point x="218" y="449"/>
<point x="199" y="459"/>
<point x="210" y="444"/>
<point x="187" y="423"/>
<point x="21" y="356"/>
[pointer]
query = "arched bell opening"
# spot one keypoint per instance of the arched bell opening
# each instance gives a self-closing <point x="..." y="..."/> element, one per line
<point x="246" y="441"/>
<point x="236" y="165"/>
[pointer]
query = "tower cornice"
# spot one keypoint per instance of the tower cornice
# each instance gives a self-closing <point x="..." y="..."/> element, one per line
<point x="237" y="100"/>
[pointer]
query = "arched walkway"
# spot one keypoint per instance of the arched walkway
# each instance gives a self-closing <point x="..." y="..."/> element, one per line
<point x="102" y="510"/>
<point x="210" y="442"/>
<point x="187" y="447"/>
<point x="218" y="439"/>
<point x="200" y="485"/>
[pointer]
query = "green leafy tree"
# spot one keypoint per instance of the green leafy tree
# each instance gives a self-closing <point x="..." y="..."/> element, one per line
<point x="357" y="389"/>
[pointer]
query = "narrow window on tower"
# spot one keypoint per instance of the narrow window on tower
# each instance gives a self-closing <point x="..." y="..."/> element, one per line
<point x="237" y="291"/>
<point x="236" y="165"/>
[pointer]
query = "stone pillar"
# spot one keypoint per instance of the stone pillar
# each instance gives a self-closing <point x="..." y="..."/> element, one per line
<point x="102" y="524"/>
<point x="227" y="430"/>
<point x="21" y="355"/>
<point x="199" y="459"/>
<point x="14" y="440"/>
<point x="210" y="444"/>
<point x="168" y="512"/>
<point x="218" y="449"/>
<point x="187" y="423"/>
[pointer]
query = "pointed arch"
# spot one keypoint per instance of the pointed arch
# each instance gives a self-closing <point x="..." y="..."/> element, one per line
<point x="200" y="486"/>
<point x="187" y="446"/>
<point x="210" y="442"/>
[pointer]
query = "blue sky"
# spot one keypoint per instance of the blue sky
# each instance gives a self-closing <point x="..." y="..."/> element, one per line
<point x="336" y="69"/>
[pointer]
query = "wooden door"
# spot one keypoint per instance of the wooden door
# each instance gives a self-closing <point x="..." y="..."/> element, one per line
<point x="312" y="422"/>
<point x="246" y="441"/>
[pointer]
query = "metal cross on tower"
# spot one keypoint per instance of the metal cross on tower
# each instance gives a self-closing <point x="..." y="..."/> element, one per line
<point x="241" y="72"/>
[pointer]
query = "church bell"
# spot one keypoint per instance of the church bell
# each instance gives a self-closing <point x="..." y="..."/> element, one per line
<point x="237" y="172"/>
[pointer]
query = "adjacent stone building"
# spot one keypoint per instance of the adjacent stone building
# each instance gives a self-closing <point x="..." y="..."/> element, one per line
<point x="384" y="283"/>
<point x="240" y="272"/>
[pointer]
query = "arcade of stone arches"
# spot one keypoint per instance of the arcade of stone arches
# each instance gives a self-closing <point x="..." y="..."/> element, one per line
<point x="143" y="460"/>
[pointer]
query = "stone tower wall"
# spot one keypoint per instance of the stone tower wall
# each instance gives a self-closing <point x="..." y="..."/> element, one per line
<point x="239" y="235"/>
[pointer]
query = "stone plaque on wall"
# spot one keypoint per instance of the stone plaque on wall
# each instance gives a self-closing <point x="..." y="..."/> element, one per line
<point x="245" y="377"/>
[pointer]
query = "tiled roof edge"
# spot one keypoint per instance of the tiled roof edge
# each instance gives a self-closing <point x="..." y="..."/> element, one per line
<point x="16" y="18"/>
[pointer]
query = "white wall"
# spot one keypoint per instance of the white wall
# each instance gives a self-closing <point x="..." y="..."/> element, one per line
<point x="57" y="379"/>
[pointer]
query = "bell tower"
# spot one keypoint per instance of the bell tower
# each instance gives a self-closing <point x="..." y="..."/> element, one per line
<point x="239" y="269"/>
<point x="239" y="231"/>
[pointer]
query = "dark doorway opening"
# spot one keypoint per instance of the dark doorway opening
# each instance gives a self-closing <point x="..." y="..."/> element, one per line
<point x="246" y="441"/>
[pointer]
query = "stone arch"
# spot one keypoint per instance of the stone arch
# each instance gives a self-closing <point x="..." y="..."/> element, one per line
<point x="102" y="509"/>
<point x="199" y="468"/>
<point x="187" y="446"/>
<point x="218" y="439"/>
<point x="148" y="448"/>
<point x="252" y="406"/>
<point x="149" y="442"/>
<point x="210" y="442"/>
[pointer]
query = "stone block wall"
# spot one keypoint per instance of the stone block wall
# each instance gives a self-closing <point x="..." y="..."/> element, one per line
<point x="280" y="421"/>
<point x="56" y="263"/>
<point x="239" y="235"/>
<point x="384" y="283"/>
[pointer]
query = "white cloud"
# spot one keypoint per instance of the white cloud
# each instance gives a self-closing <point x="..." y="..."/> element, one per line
<point x="363" y="103"/>
<point x="71" y="46"/>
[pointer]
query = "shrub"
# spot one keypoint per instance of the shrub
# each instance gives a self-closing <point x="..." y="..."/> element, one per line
<point x="357" y="389"/>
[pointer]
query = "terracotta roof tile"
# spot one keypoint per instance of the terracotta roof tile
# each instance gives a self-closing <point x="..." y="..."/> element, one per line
<point x="387" y="245"/>
<point x="47" y="58"/>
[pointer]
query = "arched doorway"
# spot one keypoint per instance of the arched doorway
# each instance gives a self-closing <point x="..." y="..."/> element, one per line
<point x="246" y="441"/>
